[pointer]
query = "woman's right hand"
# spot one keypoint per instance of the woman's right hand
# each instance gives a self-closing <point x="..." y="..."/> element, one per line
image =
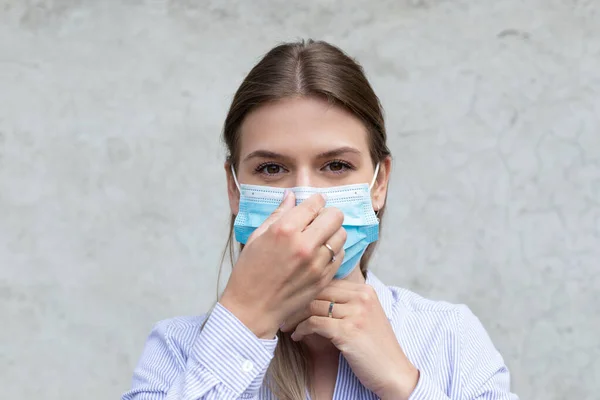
<point x="285" y="264"/>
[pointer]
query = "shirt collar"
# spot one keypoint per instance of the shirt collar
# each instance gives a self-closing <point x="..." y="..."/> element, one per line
<point x="384" y="293"/>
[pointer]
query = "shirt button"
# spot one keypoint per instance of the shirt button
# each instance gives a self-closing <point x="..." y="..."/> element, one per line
<point x="247" y="366"/>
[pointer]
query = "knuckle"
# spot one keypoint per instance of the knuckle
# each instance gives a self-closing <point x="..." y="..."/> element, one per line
<point x="369" y="291"/>
<point x="364" y="297"/>
<point x="304" y="251"/>
<point x="316" y="272"/>
<point x="283" y="229"/>
<point x="367" y="297"/>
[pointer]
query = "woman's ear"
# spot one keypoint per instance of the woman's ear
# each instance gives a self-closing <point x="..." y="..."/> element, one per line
<point x="232" y="190"/>
<point x="379" y="191"/>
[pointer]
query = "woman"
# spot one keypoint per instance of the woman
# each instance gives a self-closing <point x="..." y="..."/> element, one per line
<point x="307" y="173"/>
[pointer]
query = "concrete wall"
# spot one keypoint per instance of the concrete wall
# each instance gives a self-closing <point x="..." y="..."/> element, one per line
<point x="112" y="211"/>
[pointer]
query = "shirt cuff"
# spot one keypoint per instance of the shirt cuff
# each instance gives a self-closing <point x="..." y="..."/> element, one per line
<point x="425" y="390"/>
<point x="232" y="352"/>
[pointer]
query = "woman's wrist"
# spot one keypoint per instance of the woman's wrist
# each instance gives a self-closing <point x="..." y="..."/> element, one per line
<point x="256" y="321"/>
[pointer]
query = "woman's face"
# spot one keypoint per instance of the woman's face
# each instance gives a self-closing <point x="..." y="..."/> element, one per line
<point x="305" y="142"/>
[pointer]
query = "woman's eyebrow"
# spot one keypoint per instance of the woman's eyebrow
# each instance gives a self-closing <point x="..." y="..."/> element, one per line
<point x="338" y="152"/>
<point x="265" y="154"/>
<point x="277" y="156"/>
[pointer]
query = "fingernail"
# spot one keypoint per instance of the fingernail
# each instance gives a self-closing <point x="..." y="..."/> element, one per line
<point x="286" y="193"/>
<point x="324" y="196"/>
<point x="293" y="336"/>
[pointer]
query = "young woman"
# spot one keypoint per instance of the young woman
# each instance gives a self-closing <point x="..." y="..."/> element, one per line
<point x="301" y="316"/>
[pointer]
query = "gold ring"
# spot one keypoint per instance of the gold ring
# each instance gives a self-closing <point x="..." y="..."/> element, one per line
<point x="331" y="251"/>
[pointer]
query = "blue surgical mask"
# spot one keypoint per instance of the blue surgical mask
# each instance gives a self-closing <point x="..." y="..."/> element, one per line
<point x="360" y="221"/>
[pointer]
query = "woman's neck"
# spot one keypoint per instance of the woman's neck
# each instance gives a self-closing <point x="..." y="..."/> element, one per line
<point x="319" y="347"/>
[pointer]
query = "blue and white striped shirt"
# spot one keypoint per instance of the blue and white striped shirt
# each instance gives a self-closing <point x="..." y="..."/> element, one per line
<point x="225" y="360"/>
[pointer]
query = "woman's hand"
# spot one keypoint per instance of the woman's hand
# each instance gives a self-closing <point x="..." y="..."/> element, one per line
<point x="285" y="264"/>
<point x="361" y="331"/>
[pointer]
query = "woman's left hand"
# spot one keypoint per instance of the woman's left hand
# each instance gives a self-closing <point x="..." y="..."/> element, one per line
<point x="361" y="331"/>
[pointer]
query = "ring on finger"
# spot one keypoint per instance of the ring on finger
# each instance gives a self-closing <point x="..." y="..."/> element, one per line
<point x="330" y="312"/>
<point x="331" y="251"/>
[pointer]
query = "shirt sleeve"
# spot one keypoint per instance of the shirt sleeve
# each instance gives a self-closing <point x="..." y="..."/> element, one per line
<point x="225" y="361"/>
<point x="482" y="373"/>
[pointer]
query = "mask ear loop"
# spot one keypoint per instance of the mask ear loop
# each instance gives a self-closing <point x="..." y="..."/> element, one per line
<point x="374" y="176"/>
<point x="237" y="184"/>
<point x="373" y="184"/>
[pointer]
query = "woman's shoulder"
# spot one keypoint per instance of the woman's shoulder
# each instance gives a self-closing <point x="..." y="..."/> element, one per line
<point x="409" y="308"/>
<point x="398" y="297"/>
<point x="435" y="311"/>
<point x="435" y="326"/>
<point x="442" y="323"/>
<point x="415" y="302"/>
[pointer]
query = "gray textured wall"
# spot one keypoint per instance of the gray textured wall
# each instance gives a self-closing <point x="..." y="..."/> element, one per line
<point x="112" y="211"/>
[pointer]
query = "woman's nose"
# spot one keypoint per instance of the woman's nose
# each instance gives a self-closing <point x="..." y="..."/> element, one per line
<point x="304" y="178"/>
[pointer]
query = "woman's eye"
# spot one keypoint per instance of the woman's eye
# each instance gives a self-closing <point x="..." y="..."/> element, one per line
<point x="337" y="166"/>
<point x="270" y="169"/>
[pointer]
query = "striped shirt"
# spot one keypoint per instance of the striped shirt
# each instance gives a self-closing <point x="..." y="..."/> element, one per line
<point x="226" y="361"/>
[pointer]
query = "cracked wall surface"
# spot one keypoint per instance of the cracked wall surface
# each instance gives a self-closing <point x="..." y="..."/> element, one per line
<point x="112" y="211"/>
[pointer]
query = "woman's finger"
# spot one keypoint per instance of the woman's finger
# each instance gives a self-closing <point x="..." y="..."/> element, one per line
<point x="324" y="226"/>
<point x="336" y="242"/>
<point x="299" y="217"/>
<point x="323" y="326"/>
<point x="333" y="292"/>
<point x="347" y="285"/>
<point x="288" y="203"/>
<point x="317" y="308"/>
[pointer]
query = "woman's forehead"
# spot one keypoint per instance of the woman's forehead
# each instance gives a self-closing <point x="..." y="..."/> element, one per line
<point x="302" y="124"/>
